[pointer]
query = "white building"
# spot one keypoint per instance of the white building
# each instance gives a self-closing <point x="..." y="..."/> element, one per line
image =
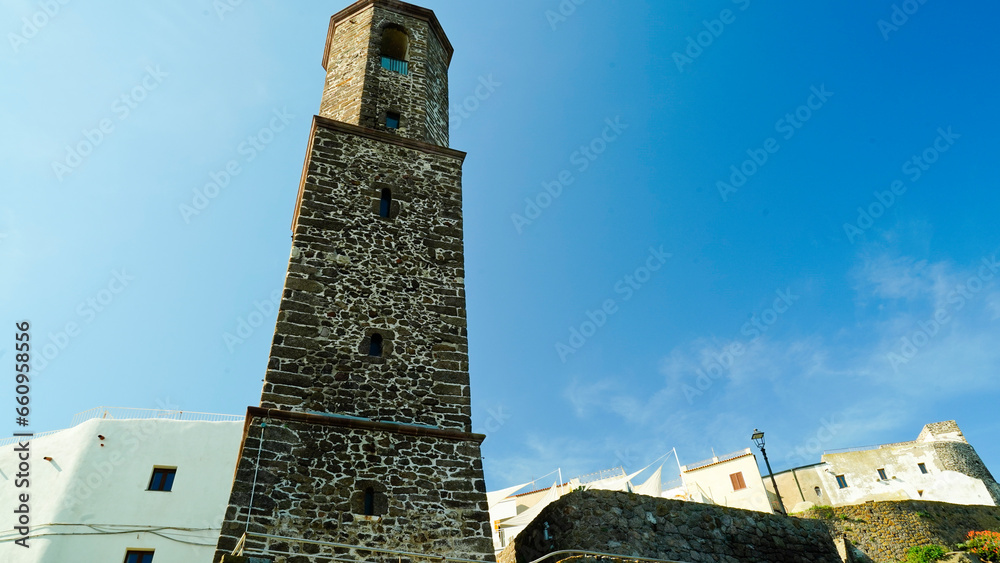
<point x="121" y="481"/>
<point x="731" y="480"/>
<point x="940" y="465"/>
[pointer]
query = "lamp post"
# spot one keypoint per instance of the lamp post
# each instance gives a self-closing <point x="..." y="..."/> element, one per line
<point x="758" y="439"/>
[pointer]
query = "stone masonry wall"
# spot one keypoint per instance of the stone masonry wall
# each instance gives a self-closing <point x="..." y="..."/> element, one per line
<point x="360" y="92"/>
<point x="643" y="526"/>
<point x="352" y="272"/>
<point x="437" y="118"/>
<point x="430" y="495"/>
<point x="947" y="430"/>
<point x="421" y="95"/>
<point x="345" y="68"/>
<point x="885" y="530"/>
<point x="962" y="457"/>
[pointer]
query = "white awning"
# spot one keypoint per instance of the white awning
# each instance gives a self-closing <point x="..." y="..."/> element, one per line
<point x="653" y="486"/>
<point x="496" y="496"/>
<point x="524" y="518"/>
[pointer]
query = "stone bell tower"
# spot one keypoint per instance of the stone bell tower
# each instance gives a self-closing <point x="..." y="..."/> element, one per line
<point x="363" y="434"/>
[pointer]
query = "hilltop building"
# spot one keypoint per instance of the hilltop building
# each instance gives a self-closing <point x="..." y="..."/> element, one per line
<point x="940" y="465"/>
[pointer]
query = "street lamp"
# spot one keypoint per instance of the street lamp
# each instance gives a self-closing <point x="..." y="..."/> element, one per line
<point x="758" y="439"/>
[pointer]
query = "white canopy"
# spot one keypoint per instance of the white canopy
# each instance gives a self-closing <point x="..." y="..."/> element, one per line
<point x="496" y="496"/>
<point x="653" y="486"/>
<point x="525" y="518"/>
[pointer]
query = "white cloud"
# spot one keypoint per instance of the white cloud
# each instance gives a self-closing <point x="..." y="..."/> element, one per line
<point x="843" y="379"/>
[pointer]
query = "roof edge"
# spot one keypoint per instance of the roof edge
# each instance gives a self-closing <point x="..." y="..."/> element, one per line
<point x="396" y="5"/>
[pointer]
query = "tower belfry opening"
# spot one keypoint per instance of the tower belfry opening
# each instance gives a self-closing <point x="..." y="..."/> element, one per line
<point x="395" y="49"/>
<point x="370" y="446"/>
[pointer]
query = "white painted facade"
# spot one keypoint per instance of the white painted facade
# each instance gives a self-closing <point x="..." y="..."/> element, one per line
<point x="88" y="494"/>
<point x="713" y="482"/>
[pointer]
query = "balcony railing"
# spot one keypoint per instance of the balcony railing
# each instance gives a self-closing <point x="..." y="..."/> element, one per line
<point x="395" y="65"/>
<point x="119" y="413"/>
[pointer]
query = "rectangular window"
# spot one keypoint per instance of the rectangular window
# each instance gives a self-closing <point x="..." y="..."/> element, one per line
<point x="881" y="474"/>
<point x="133" y="556"/>
<point x="923" y="468"/>
<point x="392" y="120"/>
<point x="737" y="479"/>
<point x="841" y="482"/>
<point x="162" y="480"/>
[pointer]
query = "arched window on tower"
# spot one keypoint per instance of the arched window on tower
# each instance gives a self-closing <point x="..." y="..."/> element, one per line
<point x="395" y="49"/>
<point x="375" y="348"/>
<point x="369" y="502"/>
<point x="385" y="206"/>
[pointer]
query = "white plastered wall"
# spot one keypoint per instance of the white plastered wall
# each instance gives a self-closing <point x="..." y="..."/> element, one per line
<point x="91" y="500"/>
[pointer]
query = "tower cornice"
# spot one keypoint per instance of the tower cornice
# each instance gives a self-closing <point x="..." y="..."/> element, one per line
<point x="362" y="424"/>
<point x="396" y="6"/>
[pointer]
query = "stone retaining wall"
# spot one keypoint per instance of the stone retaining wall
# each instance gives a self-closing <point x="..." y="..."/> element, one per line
<point x="885" y="530"/>
<point x="642" y="526"/>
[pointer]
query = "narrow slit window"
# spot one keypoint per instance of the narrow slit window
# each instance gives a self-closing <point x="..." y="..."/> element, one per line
<point x="392" y="120"/>
<point x="385" y="206"/>
<point x="819" y="493"/>
<point x="923" y="468"/>
<point x="369" y="501"/>
<point x="375" y="348"/>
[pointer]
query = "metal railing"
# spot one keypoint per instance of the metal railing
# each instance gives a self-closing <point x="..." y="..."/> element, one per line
<point x="122" y="413"/>
<point x="600" y="554"/>
<point x="241" y="549"/>
<point x="395" y="65"/>
<point x="15" y="439"/>
<point x="602" y="474"/>
<point x="672" y="484"/>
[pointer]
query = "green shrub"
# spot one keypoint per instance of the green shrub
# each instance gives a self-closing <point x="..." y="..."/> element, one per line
<point x="925" y="553"/>
<point x="823" y="511"/>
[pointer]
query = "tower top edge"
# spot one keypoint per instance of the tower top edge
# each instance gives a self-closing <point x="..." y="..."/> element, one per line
<point x="397" y="6"/>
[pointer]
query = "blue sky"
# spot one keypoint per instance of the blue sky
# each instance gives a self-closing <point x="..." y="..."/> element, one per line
<point x="683" y="220"/>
